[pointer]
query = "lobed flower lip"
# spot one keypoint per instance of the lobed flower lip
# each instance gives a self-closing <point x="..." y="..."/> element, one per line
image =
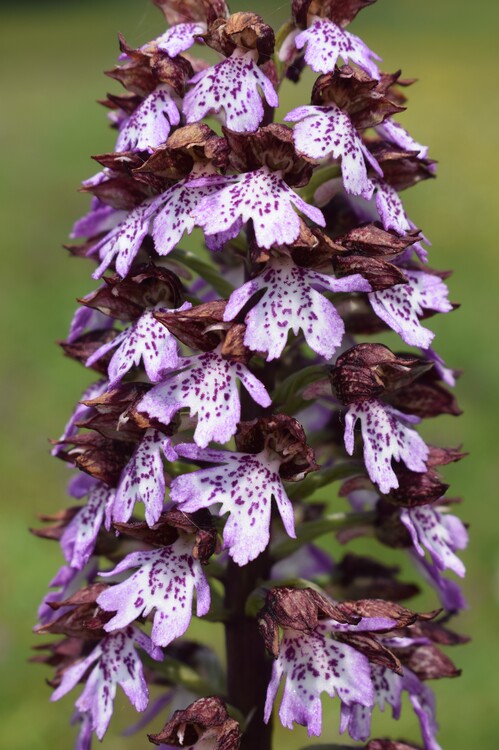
<point x="231" y="89"/>
<point x="325" y="42"/>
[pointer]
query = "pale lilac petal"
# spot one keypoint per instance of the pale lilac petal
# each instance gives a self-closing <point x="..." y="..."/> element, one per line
<point x="449" y="592"/>
<point x="291" y="304"/>
<point x="243" y="487"/>
<point x="313" y="664"/>
<point x="326" y="42"/>
<point x="80" y="485"/>
<point x="87" y="319"/>
<point x="100" y="218"/>
<point x="395" y="133"/>
<point x="401" y="305"/>
<point x="179" y="38"/>
<point x="423" y="703"/>
<point x="81" y="412"/>
<point x="386" y="437"/>
<point x="147" y="340"/>
<point x="84" y="738"/>
<point x="232" y="86"/>
<point x="175" y="210"/>
<point x="387" y="690"/>
<point x="67" y="581"/>
<point x="149" y="125"/>
<point x="261" y="196"/>
<point x="328" y="131"/>
<point x="143" y="480"/>
<point x="117" y="663"/>
<point x="166" y="580"/>
<point x="444" y="373"/>
<point x="393" y="216"/>
<point x="366" y="624"/>
<point x="208" y="388"/>
<point x="439" y="533"/>
<point x="80" y="535"/>
<point x="107" y="347"/>
<point x="123" y="243"/>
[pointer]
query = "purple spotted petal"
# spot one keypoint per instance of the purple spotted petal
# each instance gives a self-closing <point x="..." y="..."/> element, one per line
<point x="262" y="196"/>
<point x="116" y="663"/>
<point x="311" y="665"/>
<point x="179" y="38"/>
<point x="387" y="690"/>
<point x="393" y="216"/>
<point x="208" y="388"/>
<point x="243" y="486"/>
<point x="165" y="581"/>
<point x="328" y="131"/>
<point x="176" y="209"/>
<point x="123" y="243"/>
<point x="81" y="412"/>
<point x="147" y="340"/>
<point x="395" y="133"/>
<point x="149" y="125"/>
<point x="449" y="592"/>
<point x="233" y="86"/>
<point x="326" y="42"/>
<point x="78" y="540"/>
<point x="439" y="533"/>
<point x="445" y="373"/>
<point x="386" y="437"/>
<point x="401" y="306"/>
<point x="143" y="479"/>
<point x="289" y="304"/>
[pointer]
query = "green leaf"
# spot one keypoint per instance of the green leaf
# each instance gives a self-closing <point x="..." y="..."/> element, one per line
<point x="287" y="396"/>
<point x="319" y="178"/>
<point x="205" y="270"/>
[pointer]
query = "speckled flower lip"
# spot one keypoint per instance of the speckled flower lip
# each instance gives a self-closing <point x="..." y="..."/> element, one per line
<point x="248" y="419"/>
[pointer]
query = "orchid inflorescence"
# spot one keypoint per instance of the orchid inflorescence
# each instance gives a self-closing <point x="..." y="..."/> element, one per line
<point x="241" y="404"/>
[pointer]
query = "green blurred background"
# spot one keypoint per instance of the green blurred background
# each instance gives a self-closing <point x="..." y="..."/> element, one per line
<point x="52" y="57"/>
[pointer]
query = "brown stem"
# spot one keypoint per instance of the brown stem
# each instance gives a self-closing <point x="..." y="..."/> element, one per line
<point x="248" y="665"/>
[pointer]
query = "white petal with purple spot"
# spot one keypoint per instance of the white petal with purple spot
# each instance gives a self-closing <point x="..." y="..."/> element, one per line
<point x="116" y="663"/>
<point x="386" y="438"/>
<point x="401" y="306"/>
<point x="313" y="664"/>
<point x="149" y="125"/>
<point x="326" y="42"/>
<point x="123" y="243"/>
<point x="439" y="533"/>
<point x="208" y="388"/>
<point x="165" y="581"/>
<point x="261" y="196"/>
<point x="179" y="38"/>
<point x="232" y="86"/>
<point x="244" y="486"/>
<point x="143" y="479"/>
<point x="328" y="131"/>
<point x="290" y="303"/>
<point x="80" y="535"/>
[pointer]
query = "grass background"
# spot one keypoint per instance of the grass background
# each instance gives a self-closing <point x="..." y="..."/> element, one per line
<point x="52" y="54"/>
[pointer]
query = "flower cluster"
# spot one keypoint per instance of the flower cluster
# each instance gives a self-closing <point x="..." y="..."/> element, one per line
<point x="231" y="388"/>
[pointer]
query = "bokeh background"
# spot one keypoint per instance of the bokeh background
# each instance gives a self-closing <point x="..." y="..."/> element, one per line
<point x="52" y="55"/>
